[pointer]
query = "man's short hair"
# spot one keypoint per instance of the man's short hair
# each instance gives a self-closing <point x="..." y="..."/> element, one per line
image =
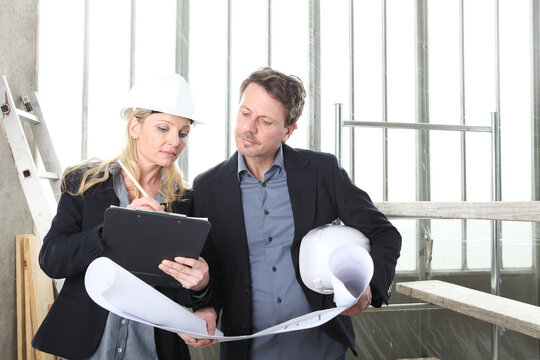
<point x="287" y="89"/>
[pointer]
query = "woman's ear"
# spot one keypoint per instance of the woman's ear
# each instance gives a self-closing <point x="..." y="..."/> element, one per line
<point x="134" y="127"/>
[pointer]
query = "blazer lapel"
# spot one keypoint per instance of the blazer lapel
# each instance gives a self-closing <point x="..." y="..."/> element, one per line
<point x="227" y="195"/>
<point x="301" y="181"/>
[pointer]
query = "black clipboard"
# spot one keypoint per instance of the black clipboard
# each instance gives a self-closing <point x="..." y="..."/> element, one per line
<point x="139" y="240"/>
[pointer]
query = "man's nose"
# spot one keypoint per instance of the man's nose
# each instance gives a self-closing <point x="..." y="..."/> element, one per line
<point x="251" y="124"/>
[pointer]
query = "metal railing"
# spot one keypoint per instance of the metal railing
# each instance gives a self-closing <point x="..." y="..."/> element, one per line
<point x="494" y="129"/>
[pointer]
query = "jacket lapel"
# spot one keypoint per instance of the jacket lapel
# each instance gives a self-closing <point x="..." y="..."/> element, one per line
<point x="227" y="195"/>
<point x="301" y="181"/>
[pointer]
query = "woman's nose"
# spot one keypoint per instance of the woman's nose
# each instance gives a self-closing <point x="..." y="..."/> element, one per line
<point x="175" y="139"/>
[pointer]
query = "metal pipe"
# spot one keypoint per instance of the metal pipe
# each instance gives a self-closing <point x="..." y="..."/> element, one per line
<point x="351" y="90"/>
<point x="418" y="126"/>
<point x="384" y="102"/>
<point x="86" y="63"/>
<point x="495" y="232"/>
<point x="535" y="133"/>
<point x="423" y="185"/>
<point x="182" y="63"/>
<point x="314" y="126"/>
<point x="464" y="264"/>
<point x="338" y="115"/>
<point x="495" y="330"/>
<point x="269" y="32"/>
<point x="228" y="84"/>
<point x="404" y="307"/>
<point x="132" y="42"/>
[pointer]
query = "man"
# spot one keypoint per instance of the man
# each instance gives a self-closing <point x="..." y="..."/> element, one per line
<point x="261" y="202"/>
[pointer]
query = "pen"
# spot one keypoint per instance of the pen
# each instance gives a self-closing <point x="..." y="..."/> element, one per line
<point x="132" y="178"/>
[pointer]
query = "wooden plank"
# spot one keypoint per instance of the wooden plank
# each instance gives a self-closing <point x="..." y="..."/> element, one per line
<point x="489" y="210"/>
<point x="510" y="314"/>
<point x="19" y="274"/>
<point x="41" y="288"/>
<point x="30" y="353"/>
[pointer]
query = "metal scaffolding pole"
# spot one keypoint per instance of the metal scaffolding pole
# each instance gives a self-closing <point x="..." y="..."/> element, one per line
<point x="314" y="126"/>
<point x="384" y="102"/>
<point x="495" y="263"/>
<point x="535" y="129"/>
<point x="86" y="64"/>
<point x="352" y="117"/>
<point x="182" y="63"/>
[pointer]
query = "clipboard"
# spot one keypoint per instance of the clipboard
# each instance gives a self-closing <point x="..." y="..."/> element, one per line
<point x="139" y="240"/>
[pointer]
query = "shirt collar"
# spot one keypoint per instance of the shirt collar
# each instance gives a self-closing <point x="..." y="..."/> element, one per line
<point x="278" y="161"/>
<point x="120" y="187"/>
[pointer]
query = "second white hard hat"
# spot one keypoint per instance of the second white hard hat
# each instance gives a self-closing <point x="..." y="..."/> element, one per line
<point x="168" y="94"/>
<point x="316" y="249"/>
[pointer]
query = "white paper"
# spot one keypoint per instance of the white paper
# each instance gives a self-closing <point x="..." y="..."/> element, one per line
<point x="120" y="292"/>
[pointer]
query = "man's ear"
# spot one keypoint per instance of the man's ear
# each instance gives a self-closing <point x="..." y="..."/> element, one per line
<point x="134" y="127"/>
<point x="289" y="131"/>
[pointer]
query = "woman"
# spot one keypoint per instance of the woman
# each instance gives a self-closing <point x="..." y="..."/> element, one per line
<point x="159" y="120"/>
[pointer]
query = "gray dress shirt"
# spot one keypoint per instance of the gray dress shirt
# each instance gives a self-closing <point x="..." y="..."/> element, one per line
<point x="276" y="294"/>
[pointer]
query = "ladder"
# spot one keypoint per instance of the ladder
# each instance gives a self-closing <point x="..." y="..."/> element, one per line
<point x="39" y="193"/>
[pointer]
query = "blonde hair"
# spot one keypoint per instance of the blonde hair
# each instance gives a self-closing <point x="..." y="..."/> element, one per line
<point x="95" y="171"/>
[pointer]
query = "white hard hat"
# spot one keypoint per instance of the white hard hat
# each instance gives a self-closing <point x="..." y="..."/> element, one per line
<point x="168" y="94"/>
<point x="316" y="251"/>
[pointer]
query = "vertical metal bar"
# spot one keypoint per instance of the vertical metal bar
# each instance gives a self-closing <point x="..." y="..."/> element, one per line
<point x="384" y="102"/>
<point x="351" y="90"/>
<point x="495" y="232"/>
<point x="464" y="264"/>
<point x="422" y="152"/>
<point x="497" y="60"/>
<point x="269" y="32"/>
<point x="182" y="38"/>
<point x="86" y="63"/>
<point x="338" y="115"/>
<point x="495" y="330"/>
<point x="228" y="84"/>
<point x="182" y="63"/>
<point x="423" y="185"/>
<point x="314" y="126"/>
<point x="535" y="137"/>
<point x="132" y="42"/>
<point x="37" y="47"/>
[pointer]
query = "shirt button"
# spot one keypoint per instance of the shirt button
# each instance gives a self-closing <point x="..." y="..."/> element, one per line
<point x="119" y="350"/>
<point x="263" y="184"/>
<point x="246" y="290"/>
<point x="279" y="300"/>
<point x="274" y="268"/>
<point x="266" y="212"/>
<point x="270" y="238"/>
<point x="123" y="321"/>
<point x="244" y="326"/>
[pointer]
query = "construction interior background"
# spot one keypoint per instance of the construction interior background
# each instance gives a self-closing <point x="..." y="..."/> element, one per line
<point x="471" y="64"/>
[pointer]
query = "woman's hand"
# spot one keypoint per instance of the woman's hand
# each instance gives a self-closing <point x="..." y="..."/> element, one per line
<point x="192" y="274"/>
<point x="145" y="203"/>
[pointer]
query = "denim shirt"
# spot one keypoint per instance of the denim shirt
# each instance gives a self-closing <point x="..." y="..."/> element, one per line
<point x="123" y="338"/>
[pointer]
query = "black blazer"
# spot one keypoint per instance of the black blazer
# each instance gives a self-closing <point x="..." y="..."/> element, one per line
<point x="320" y="192"/>
<point x="74" y="325"/>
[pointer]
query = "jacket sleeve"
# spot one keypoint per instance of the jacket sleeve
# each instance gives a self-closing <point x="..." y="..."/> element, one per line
<point x="183" y="296"/>
<point x="68" y="249"/>
<point x="356" y="209"/>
